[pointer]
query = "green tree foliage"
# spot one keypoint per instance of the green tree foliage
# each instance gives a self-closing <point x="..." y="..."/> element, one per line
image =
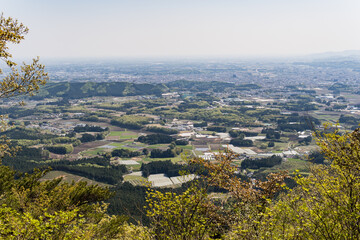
<point x="200" y="124"/>
<point x="25" y="133"/>
<point x="240" y="103"/>
<point x="28" y="78"/>
<point x="193" y="214"/>
<point x="295" y="127"/>
<point x="71" y="90"/>
<point x="206" y="97"/>
<point x="20" y="81"/>
<point x="316" y="157"/>
<point x="97" y="168"/>
<point x="339" y="106"/>
<point x="88" y="128"/>
<point x="216" y="128"/>
<point x="295" y="117"/>
<point x="126" y="153"/>
<point x="112" y="175"/>
<point x="219" y="116"/>
<point x="17" y="112"/>
<point x="31" y="209"/>
<point x="62" y="102"/>
<point x="90" y="118"/>
<point x="162" y="130"/>
<point x="237" y="133"/>
<point x="271" y="133"/>
<point x="324" y="205"/>
<point x="74" y="141"/>
<point x="145" y="151"/>
<point x="241" y="142"/>
<point x="301" y="105"/>
<point x="71" y="134"/>
<point x="349" y="119"/>
<point x="166" y="167"/>
<point x="158" y="153"/>
<point x="196" y="221"/>
<point x="129" y="200"/>
<point x="181" y="142"/>
<point x="60" y="149"/>
<point x="306" y="140"/>
<point x="25" y="159"/>
<point x="261" y="162"/>
<point x="192" y="104"/>
<point x="130" y="121"/>
<point x="86" y="137"/>
<point x="156" y="139"/>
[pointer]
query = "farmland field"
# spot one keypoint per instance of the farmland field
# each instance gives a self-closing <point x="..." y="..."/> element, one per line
<point x="68" y="177"/>
<point x="86" y="146"/>
<point x="291" y="165"/>
<point x="95" y="151"/>
<point x="124" y="134"/>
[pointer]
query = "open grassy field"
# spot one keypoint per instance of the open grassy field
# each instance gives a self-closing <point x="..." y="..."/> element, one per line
<point x="290" y="165"/>
<point x="325" y="116"/>
<point x="132" y="177"/>
<point x="128" y="145"/>
<point x="137" y="182"/>
<point x="115" y="133"/>
<point x="68" y="177"/>
<point x="206" y="132"/>
<point x="90" y="152"/>
<point x="163" y="146"/>
<point x="307" y="148"/>
<point x="188" y="147"/>
<point x="124" y="134"/>
<point x="136" y="167"/>
<point x="352" y="98"/>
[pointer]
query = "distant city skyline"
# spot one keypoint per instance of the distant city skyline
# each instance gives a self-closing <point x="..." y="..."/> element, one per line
<point x="184" y="28"/>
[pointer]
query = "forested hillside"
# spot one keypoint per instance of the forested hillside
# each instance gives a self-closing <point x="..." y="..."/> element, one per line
<point x="92" y="89"/>
<point x="120" y="89"/>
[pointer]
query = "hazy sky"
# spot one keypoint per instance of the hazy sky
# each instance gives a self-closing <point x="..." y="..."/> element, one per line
<point x="120" y="28"/>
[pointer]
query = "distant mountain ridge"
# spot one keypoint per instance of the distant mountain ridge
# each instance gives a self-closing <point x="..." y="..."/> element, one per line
<point x="90" y="89"/>
<point x="347" y="55"/>
<point x="74" y="90"/>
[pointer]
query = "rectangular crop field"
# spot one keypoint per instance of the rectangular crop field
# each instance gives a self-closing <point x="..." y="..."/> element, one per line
<point x="124" y="134"/>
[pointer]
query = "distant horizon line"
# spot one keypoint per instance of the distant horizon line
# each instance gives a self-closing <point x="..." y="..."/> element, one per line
<point x="343" y="53"/>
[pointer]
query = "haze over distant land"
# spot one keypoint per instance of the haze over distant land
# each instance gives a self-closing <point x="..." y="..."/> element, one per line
<point x="187" y="28"/>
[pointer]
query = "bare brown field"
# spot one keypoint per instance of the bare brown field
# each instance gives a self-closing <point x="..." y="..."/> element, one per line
<point x="112" y="138"/>
<point x="257" y="150"/>
<point x="215" y="147"/>
<point x="115" y="128"/>
<point x="85" y="146"/>
<point x="101" y="124"/>
<point x="118" y="114"/>
<point x="56" y="156"/>
<point x="254" y="129"/>
<point x="293" y="137"/>
<point x="203" y="142"/>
